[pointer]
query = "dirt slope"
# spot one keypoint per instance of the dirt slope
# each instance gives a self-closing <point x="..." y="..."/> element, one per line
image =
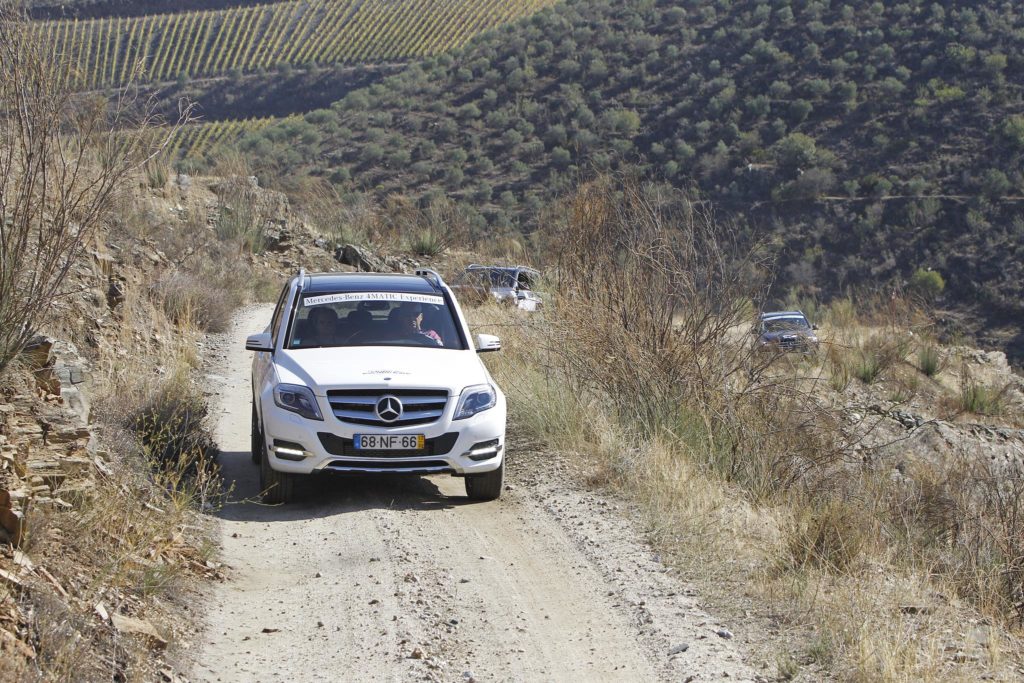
<point x="401" y="579"/>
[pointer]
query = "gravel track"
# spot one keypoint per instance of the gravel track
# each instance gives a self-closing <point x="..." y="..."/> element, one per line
<point x="398" y="579"/>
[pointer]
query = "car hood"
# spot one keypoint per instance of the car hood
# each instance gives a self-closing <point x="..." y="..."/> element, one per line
<point x="381" y="367"/>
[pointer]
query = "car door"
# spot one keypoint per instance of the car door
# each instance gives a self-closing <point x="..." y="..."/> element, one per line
<point x="263" y="361"/>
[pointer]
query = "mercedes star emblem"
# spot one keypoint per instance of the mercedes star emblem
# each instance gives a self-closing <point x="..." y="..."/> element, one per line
<point x="389" y="408"/>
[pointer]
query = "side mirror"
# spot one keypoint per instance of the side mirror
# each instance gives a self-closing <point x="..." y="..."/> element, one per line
<point x="814" y="327"/>
<point x="487" y="342"/>
<point x="259" y="342"/>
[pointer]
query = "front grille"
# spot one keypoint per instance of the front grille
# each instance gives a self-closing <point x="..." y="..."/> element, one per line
<point x="358" y="406"/>
<point x="337" y="445"/>
<point x="791" y="343"/>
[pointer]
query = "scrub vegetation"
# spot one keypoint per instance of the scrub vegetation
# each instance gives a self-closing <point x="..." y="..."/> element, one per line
<point x="755" y="463"/>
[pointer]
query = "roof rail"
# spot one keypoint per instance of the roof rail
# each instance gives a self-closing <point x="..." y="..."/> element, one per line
<point x="302" y="278"/>
<point x="431" y="274"/>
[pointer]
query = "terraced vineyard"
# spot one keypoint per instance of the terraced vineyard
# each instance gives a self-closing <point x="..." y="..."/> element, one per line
<point x="105" y="52"/>
<point x="195" y="139"/>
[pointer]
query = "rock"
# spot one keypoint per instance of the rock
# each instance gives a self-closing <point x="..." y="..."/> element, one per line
<point x="679" y="649"/>
<point x="9" y="579"/>
<point x="138" y="627"/>
<point x="11" y="521"/>
<point x="915" y="609"/>
<point x="101" y="611"/>
<point x="360" y="258"/>
<point x="724" y="633"/>
<point x="416" y="653"/>
<point x="115" y="292"/>
<point x="183" y="181"/>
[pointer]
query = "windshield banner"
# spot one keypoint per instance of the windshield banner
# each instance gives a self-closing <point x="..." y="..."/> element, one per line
<point x="343" y="297"/>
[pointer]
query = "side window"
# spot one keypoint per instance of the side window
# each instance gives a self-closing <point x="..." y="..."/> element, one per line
<point x="275" y="322"/>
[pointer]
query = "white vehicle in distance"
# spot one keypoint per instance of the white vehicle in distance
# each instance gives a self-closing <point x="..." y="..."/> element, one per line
<point x="509" y="285"/>
<point x="373" y="373"/>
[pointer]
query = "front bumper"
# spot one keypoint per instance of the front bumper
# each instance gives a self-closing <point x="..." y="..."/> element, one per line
<point x="459" y="447"/>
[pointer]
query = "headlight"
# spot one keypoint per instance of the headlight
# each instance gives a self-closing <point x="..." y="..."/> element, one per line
<point x="475" y="399"/>
<point x="297" y="399"/>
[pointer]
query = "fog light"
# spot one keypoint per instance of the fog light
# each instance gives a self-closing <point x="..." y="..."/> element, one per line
<point x="484" y="450"/>
<point x="289" y="450"/>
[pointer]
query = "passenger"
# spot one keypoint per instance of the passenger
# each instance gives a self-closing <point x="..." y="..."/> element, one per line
<point x="430" y="324"/>
<point x="323" y="325"/>
<point x="407" y="320"/>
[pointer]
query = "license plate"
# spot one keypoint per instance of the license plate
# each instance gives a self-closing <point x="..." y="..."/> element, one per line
<point x="390" y="442"/>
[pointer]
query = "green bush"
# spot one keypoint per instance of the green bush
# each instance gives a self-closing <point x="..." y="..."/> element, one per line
<point x="981" y="399"/>
<point x="929" y="360"/>
<point x="927" y="283"/>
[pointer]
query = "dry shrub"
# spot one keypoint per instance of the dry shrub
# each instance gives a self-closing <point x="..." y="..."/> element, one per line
<point x="64" y="159"/>
<point x="830" y="534"/>
<point x="205" y="296"/>
<point x="130" y="538"/>
<point x="979" y="398"/>
<point x="842" y="313"/>
<point x="637" y="363"/>
<point x="400" y="223"/>
<point x="324" y="210"/>
<point x="651" y="289"/>
<point x="242" y="214"/>
<point x="930" y="360"/>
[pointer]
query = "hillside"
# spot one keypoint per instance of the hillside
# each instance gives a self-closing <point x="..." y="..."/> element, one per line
<point x="867" y="140"/>
<point x="106" y="51"/>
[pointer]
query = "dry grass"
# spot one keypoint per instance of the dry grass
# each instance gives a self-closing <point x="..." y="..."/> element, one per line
<point x="741" y="469"/>
<point x="204" y="295"/>
<point x="130" y="540"/>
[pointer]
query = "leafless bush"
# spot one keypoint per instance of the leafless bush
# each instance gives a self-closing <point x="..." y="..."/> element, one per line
<point x="654" y="300"/>
<point x="64" y="158"/>
<point x="205" y="295"/>
<point x="965" y="519"/>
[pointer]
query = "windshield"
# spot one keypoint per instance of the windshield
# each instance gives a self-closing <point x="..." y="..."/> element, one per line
<point x="786" y="325"/>
<point x="374" y="319"/>
<point x="502" y="278"/>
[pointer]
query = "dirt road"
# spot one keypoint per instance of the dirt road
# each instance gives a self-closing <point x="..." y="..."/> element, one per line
<point x="385" y="579"/>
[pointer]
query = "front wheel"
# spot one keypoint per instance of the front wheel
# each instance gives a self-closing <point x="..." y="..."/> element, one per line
<point x="486" y="486"/>
<point x="256" y="438"/>
<point x="277" y="487"/>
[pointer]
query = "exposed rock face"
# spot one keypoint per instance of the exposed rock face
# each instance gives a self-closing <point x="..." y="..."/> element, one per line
<point x="361" y="259"/>
<point x="61" y="371"/>
<point x="365" y="260"/>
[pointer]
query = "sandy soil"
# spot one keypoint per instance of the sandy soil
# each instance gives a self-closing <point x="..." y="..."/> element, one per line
<point x="396" y="579"/>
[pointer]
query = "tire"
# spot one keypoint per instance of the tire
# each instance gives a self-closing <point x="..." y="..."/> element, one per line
<point x="486" y="486"/>
<point x="256" y="440"/>
<point x="277" y="487"/>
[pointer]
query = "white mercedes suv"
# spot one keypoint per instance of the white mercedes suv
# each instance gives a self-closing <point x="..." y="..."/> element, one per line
<point x="373" y="373"/>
